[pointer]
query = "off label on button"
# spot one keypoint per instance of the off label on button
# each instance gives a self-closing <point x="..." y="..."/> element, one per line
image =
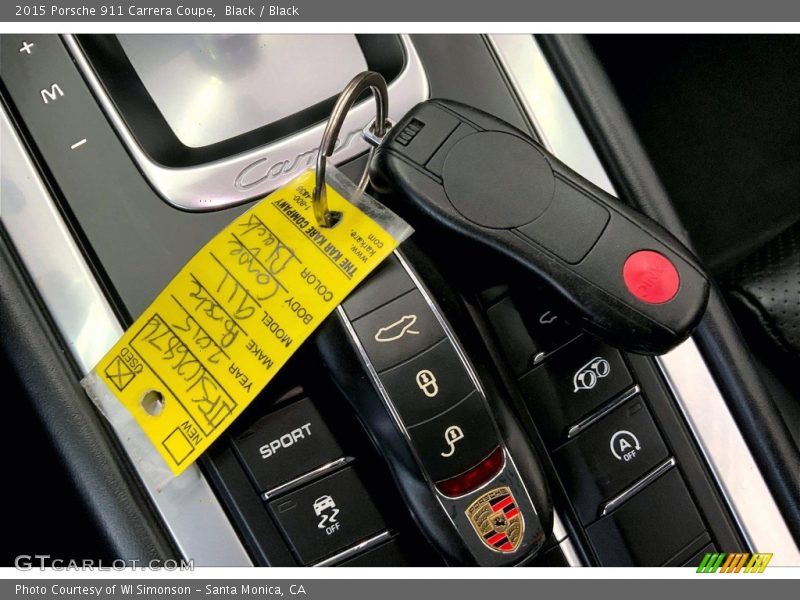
<point x="325" y="508"/>
<point x="624" y="445"/>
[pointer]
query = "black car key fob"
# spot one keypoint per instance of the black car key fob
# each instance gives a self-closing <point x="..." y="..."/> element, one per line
<point x="621" y="276"/>
<point x="463" y="464"/>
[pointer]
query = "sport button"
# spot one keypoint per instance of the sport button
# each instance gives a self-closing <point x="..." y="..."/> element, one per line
<point x="286" y="444"/>
<point x="651" y="277"/>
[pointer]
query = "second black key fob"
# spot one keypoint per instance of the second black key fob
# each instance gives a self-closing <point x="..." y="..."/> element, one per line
<point x="621" y="276"/>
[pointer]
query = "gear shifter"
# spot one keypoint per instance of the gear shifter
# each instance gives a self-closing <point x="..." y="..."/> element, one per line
<point x="620" y="275"/>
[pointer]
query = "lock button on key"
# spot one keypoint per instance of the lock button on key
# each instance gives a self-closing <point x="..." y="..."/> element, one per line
<point x="428" y="384"/>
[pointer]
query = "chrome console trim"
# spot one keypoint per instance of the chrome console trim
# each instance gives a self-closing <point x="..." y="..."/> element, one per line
<point x="188" y="507"/>
<point x="569" y="552"/>
<point x="306" y="477"/>
<point x="727" y="454"/>
<point x="599" y="414"/>
<point x="561" y="536"/>
<point x="693" y="386"/>
<point x="255" y="173"/>
<point x="639" y="485"/>
<point x="353" y="550"/>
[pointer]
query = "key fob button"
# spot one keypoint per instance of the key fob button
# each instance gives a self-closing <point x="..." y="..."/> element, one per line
<point x="479" y="198"/>
<point x="651" y="277"/>
<point x="428" y="384"/>
<point x="389" y="281"/>
<point x="398" y="331"/>
<point x="456" y="440"/>
<point x="586" y="219"/>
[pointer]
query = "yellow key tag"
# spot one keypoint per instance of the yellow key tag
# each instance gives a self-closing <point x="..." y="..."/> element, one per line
<point x="238" y="310"/>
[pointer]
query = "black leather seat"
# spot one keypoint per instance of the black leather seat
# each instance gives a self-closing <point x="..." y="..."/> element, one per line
<point x="764" y="292"/>
<point x="766" y="286"/>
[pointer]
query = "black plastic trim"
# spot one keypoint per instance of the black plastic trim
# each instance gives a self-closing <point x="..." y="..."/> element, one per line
<point x="100" y="471"/>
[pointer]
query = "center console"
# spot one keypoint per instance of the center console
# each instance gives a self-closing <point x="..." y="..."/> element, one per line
<point x="147" y="145"/>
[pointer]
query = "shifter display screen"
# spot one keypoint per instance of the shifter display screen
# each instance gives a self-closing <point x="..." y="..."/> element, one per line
<point x="211" y="88"/>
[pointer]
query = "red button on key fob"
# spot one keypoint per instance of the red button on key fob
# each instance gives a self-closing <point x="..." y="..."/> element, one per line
<point x="651" y="277"/>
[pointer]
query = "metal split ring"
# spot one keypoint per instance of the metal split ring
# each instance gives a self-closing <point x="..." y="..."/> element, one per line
<point x="376" y="131"/>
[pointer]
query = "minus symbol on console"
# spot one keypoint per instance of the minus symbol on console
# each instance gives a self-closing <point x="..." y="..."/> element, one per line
<point x="78" y="144"/>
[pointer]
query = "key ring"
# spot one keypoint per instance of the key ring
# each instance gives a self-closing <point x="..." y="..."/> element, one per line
<point x="351" y="93"/>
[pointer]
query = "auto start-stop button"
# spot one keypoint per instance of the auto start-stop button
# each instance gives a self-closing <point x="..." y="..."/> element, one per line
<point x="609" y="456"/>
<point x="651" y="277"/>
<point x="286" y="444"/>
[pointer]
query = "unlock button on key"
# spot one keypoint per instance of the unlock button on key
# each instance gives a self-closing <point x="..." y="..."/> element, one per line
<point x="456" y="440"/>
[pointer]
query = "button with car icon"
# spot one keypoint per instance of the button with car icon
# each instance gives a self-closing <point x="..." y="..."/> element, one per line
<point x="326" y="516"/>
<point x="399" y="330"/>
<point x="394" y="331"/>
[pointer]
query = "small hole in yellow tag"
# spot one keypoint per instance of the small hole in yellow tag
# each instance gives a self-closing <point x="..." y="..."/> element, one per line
<point x="153" y="402"/>
<point x="335" y="216"/>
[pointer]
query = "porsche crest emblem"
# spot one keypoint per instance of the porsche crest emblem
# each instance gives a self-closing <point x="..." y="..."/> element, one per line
<point x="497" y="520"/>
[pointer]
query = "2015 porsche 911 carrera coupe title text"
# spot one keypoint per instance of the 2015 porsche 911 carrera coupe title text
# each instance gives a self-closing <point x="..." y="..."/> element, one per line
<point x="113" y="10"/>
